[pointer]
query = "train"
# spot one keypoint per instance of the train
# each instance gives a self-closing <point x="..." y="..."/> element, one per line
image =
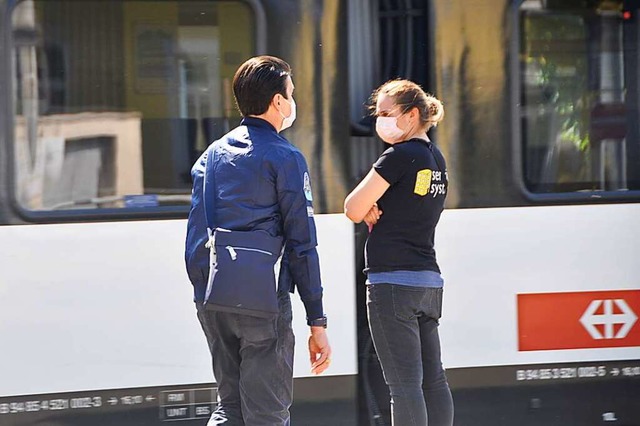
<point x="104" y="107"/>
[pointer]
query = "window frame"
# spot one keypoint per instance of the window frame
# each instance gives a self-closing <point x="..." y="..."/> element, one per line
<point x="96" y="214"/>
<point x="605" y="196"/>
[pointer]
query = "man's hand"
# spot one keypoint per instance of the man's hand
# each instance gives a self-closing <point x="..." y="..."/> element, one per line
<point x="319" y="350"/>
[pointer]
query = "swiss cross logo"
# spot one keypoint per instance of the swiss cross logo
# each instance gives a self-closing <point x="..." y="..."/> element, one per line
<point x="627" y="318"/>
<point x="578" y="320"/>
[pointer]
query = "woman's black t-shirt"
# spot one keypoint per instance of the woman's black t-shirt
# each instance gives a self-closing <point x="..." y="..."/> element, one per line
<point x="402" y="240"/>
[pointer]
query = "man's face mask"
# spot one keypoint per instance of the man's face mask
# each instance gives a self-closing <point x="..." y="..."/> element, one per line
<point x="288" y="121"/>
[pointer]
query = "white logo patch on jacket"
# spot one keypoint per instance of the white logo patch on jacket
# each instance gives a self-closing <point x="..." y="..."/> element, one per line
<point x="307" y="186"/>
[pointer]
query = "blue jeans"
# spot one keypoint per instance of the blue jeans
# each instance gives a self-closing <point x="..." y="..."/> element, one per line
<point x="404" y="327"/>
<point x="253" y="365"/>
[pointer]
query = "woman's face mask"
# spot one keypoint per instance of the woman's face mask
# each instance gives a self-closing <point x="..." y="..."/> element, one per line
<point x="288" y="121"/>
<point x="388" y="130"/>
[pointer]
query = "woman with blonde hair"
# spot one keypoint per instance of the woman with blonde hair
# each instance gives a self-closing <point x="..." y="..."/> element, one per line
<point x="401" y="200"/>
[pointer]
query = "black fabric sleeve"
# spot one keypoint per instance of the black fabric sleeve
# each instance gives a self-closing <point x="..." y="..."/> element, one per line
<point x="391" y="165"/>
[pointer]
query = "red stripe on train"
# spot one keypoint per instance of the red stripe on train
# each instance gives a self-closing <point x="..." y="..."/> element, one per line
<point x="579" y="320"/>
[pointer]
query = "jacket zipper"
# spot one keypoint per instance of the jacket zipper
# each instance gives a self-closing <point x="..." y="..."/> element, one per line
<point x="234" y="255"/>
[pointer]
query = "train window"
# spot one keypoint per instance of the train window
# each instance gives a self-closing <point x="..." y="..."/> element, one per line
<point x="579" y="96"/>
<point x="114" y="100"/>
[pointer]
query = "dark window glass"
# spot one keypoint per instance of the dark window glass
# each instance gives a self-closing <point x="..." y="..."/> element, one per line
<point x="579" y="103"/>
<point x="115" y="100"/>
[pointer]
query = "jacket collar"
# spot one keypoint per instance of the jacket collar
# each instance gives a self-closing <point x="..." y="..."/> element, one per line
<point x="257" y="122"/>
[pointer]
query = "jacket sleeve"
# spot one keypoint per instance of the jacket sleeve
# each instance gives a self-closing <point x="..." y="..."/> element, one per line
<point x="196" y="254"/>
<point x="295" y="202"/>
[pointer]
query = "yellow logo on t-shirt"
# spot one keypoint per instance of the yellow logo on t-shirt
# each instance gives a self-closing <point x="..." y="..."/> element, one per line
<point x="423" y="182"/>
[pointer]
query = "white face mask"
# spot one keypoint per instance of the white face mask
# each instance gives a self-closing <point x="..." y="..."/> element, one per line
<point x="387" y="128"/>
<point x="288" y="121"/>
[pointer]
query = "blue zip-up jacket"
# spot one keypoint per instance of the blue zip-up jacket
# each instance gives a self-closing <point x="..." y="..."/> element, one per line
<point x="261" y="182"/>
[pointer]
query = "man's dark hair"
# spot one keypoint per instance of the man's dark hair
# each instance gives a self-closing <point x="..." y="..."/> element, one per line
<point x="257" y="81"/>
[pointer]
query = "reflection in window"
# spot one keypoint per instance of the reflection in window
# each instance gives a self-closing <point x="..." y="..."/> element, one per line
<point x="579" y="87"/>
<point x="115" y="100"/>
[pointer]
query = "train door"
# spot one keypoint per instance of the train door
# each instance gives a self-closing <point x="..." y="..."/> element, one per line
<point x="387" y="40"/>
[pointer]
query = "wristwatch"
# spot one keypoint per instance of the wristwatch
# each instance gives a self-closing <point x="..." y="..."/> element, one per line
<point x="319" y="322"/>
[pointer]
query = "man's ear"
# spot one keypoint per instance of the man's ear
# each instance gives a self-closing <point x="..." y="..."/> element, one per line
<point x="276" y="100"/>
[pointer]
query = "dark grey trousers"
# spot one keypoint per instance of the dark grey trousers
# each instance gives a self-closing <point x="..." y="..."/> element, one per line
<point x="404" y="327"/>
<point x="252" y="364"/>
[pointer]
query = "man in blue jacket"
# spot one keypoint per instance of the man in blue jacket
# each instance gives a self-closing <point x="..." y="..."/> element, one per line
<point x="255" y="183"/>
